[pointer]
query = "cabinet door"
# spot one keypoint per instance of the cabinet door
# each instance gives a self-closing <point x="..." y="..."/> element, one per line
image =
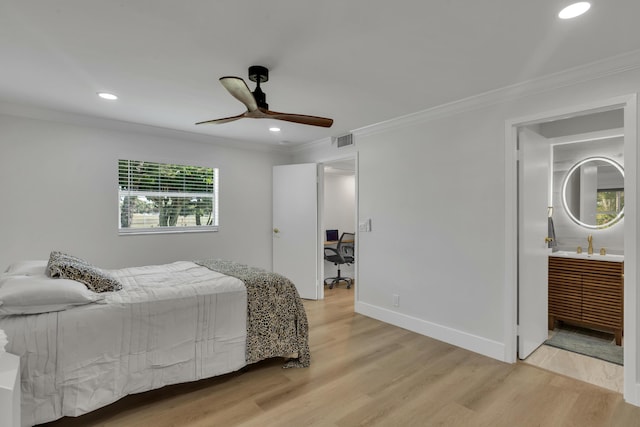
<point x="565" y="294"/>
<point x="602" y="300"/>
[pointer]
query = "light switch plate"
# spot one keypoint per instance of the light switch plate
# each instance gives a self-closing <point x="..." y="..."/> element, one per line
<point x="365" y="225"/>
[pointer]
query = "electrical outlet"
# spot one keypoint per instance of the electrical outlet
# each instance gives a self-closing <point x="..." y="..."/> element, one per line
<point x="396" y="300"/>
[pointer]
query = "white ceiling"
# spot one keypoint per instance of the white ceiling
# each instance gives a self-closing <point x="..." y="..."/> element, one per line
<point x="358" y="61"/>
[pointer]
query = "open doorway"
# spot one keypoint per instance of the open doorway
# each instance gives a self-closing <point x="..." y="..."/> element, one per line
<point x="338" y="220"/>
<point x="526" y="322"/>
<point x="584" y="304"/>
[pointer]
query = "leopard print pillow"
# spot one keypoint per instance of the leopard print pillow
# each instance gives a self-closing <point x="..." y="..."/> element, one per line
<point x="69" y="267"/>
<point x="56" y="256"/>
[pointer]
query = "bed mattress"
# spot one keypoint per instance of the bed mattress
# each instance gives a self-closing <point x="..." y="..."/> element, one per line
<point x="169" y="324"/>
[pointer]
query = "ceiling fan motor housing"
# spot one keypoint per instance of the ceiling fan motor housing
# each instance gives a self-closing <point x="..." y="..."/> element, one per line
<point x="259" y="74"/>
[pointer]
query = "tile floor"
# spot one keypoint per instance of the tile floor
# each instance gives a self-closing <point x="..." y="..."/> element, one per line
<point x="574" y="365"/>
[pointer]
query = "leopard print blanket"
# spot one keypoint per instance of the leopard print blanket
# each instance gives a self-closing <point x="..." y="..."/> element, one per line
<point x="276" y="321"/>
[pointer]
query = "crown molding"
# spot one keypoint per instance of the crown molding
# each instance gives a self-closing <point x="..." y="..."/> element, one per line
<point x="591" y="71"/>
<point x="308" y="146"/>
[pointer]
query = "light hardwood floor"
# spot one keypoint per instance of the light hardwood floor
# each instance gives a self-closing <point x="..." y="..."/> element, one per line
<point x="367" y="373"/>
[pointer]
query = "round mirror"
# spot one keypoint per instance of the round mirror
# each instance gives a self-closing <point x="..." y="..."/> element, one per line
<point x="593" y="192"/>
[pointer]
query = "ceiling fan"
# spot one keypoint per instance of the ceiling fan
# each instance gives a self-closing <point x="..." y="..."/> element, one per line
<point x="256" y="101"/>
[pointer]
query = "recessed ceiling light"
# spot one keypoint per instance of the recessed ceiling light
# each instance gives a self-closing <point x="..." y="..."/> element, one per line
<point x="573" y="10"/>
<point x="274" y="129"/>
<point x="107" y="95"/>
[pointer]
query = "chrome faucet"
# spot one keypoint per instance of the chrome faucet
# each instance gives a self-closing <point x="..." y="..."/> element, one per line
<point x="590" y="240"/>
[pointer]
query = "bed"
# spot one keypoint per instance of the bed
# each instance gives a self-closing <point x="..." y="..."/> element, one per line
<point x="157" y="325"/>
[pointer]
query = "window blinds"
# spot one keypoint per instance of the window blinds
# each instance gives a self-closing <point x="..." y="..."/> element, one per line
<point x="162" y="197"/>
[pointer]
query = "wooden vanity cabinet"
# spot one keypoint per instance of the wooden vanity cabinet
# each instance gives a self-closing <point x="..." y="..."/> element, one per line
<point x="586" y="292"/>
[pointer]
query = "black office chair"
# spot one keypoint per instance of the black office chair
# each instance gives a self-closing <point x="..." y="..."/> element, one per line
<point x="343" y="253"/>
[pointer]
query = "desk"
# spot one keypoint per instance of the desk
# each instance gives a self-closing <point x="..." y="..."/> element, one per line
<point x="9" y="390"/>
<point x="335" y="242"/>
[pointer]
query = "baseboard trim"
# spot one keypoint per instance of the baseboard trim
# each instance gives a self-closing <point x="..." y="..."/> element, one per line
<point x="633" y="399"/>
<point x="452" y="336"/>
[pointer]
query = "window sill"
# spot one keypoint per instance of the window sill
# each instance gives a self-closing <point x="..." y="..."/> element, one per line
<point x="166" y="230"/>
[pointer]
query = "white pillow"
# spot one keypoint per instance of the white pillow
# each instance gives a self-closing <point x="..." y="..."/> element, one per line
<point x="21" y="294"/>
<point x="27" y="268"/>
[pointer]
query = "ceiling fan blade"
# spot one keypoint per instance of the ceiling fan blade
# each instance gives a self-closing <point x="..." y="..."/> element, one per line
<point x="239" y="89"/>
<point x="223" y="120"/>
<point x="299" y="118"/>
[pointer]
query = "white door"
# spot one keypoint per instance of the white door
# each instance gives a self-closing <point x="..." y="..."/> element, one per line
<point x="533" y="179"/>
<point x="295" y="226"/>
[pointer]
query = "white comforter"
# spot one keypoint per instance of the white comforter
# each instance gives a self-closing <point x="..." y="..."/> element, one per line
<point x="169" y="324"/>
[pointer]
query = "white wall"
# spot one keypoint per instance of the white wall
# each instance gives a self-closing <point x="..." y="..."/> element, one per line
<point x="339" y="202"/>
<point x="434" y="185"/>
<point x="59" y="191"/>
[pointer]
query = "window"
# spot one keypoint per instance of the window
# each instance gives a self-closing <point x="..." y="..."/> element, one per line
<point x="166" y="198"/>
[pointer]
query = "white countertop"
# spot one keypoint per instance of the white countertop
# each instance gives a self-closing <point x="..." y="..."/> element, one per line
<point x="584" y="255"/>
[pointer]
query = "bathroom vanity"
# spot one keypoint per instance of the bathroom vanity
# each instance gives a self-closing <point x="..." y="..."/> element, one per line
<point x="587" y="290"/>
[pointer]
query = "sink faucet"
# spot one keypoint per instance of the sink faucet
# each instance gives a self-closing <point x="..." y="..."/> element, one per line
<point x="590" y="240"/>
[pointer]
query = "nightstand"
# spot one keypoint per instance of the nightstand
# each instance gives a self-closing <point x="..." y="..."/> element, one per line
<point x="9" y="390"/>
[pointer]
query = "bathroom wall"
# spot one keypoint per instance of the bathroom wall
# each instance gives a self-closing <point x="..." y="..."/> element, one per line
<point x="570" y="235"/>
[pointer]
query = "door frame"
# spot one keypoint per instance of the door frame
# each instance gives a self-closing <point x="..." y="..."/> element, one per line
<point x="351" y="156"/>
<point x="629" y="105"/>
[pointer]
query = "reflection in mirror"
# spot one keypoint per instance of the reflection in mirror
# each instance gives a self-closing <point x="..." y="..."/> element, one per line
<point x="593" y="192"/>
